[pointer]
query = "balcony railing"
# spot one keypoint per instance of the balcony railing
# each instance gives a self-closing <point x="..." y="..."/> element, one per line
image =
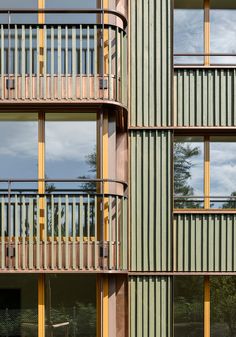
<point x="199" y="202"/>
<point x="79" y="229"/>
<point x="66" y="61"/>
<point x="205" y="60"/>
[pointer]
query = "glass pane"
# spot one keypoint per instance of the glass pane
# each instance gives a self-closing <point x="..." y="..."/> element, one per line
<point x="18" y="306"/>
<point x="223" y="36"/>
<point x="71" y="18"/>
<point x="71" y="306"/>
<point x="71" y="146"/>
<point x="188" y="306"/>
<point x="222" y="175"/>
<point x="223" y="306"/>
<point x="19" y="148"/>
<point x="188" y="35"/>
<point x="188" y="172"/>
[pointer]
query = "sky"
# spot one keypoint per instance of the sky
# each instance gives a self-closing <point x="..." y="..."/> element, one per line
<point x="67" y="146"/>
<point x="188" y="34"/>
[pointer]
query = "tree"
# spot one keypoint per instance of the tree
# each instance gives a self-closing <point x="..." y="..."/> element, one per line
<point x="183" y="155"/>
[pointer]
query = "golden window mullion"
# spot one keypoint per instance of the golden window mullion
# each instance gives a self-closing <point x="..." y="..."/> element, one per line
<point x="207" y="32"/>
<point x="207" y="307"/>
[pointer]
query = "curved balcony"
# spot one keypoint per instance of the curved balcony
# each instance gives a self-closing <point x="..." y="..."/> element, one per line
<point x="82" y="58"/>
<point x="64" y="229"/>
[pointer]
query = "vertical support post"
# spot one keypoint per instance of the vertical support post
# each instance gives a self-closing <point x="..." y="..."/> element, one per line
<point x="206" y="306"/>
<point x="41" y="170"/>
<point x="41" y="21"/>
<point x="207" y="200"/>
<point x="41" y="305"/>
<point x="207" y="32"/>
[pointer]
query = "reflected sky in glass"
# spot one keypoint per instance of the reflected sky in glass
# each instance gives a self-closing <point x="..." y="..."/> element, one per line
<point x="188" y="34"/>
<point x="223" y="168"/>
<point x="223" y="35"/>
<point x="68" y="144"/>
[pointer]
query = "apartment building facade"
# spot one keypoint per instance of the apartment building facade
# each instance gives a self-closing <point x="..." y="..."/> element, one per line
<point x="117" y="163"/>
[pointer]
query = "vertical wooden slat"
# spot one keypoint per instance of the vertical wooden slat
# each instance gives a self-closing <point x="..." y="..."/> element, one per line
<point x="109" y="65"/>
<point x="52" y="63"/>
<point x="31" y="222"/>
<point x="45" y="236"/>
<point x="124" y="233"/>
<point x="73" y="233"/>
<point x="52" y="231"/>
<point x="117" y="63"/>
<point x="23" y="231"/>
<point x="3" y="233"/>
<point x="81" y="59"/>
<point x="23" y="59"/>
<point x="59" y="234"/>
<point x="95" y="63"/>
<point x="38" y="260"/>
<point x="16" y="62"/>
<point x="66" y="62"/>
<point x="30" y="63"/>
<point x="110" y="232"/>
<point x="67" y="233"/>
<point x="88" y="64"/>
<point x="121" y="65"/>
<point x="45" y="63"/>
<point x="38" y="64"/>
<point x="88" y="233"/>
<point x="59" y="63"/>
<point x="2" y="62"/>
<point x="73" y="62"/>
<point x="81" y="234"/>
<point x="16" y="233"/>
<point x="117" y="233"/>
<point x="95" y="232"/>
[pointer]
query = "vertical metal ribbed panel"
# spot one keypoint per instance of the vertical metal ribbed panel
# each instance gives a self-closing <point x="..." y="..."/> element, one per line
<point x="205" y="97"/>
<point x="150" y="306"/>
<point x="150" y="205"/>
<point x="205" y="242"/>
<point x="151" y="62"/>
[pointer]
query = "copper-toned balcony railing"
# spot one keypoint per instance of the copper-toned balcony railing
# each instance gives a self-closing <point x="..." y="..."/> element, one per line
<point x="67" y="61"/>
<point x="66" y="229"/>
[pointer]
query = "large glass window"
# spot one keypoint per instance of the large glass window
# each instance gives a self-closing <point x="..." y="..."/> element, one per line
<point x="188" y="171"/>
<point x="188" y="306"/>
<point x="188" y="35"/>
<point x="71" y="306"/>
<point x="18" y="306"/>
<point x="204" y="172"/>
<point x="71" y="145"/>
<point x="190" y="294"/>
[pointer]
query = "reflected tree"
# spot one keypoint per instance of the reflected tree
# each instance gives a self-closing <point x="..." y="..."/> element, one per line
<point x="183" y="155"/>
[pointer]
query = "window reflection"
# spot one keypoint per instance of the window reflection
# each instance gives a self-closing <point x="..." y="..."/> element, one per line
<point x="188" y="35"/>
<point x="188" y="306"/>
<point x="222" y="175"/>
<point x="71" y="306"/>
<point x="188" y="171"/>
<point x="223" y="35"/>
<point x="223" y="306"/>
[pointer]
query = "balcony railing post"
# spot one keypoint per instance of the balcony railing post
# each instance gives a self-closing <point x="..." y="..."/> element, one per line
<point x="9" y="255"/>
<point x="9" y="54"/>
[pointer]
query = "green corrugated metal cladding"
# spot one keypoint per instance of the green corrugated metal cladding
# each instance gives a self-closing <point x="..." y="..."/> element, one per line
<point x="150" y="306"/>
<point x="150" y="200"/>
<point x="150" y="63"/>
<point x="205" y="97"/>
<point x="205" y="242"/>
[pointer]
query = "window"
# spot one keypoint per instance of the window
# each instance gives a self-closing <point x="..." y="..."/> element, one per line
<point x="204" y="32"/>
<point x="204" y="172"/>
<point x="200" y="303"/>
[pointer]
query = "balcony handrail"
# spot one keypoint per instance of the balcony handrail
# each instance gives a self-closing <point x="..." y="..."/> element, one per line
<point x="203" y="197"/>
<point x="204" y="54"/>
<point x="101" y="11"/>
